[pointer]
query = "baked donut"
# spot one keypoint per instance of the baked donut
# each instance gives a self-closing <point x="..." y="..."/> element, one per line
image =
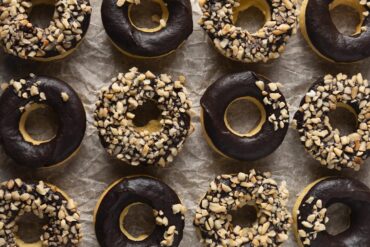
<point x="116" y="201"/>
<point x="27" y="95"/>
<point x="175" y="26"/>
<point x="232" y="192"/>
<point x="310" y="213"/>
<point x="321" y="140"/>
<point x="269" y="132"/>
<point x="324" y="38"/>
<point x="45" y="201"/>
<point x="219" y="19"/>
<point x="65" y="32"/>
<point x="156" y="142"/>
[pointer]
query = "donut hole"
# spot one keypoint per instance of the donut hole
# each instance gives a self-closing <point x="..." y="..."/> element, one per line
<point x="29" y="229"/>
<point x="251" y="15"/>
<point x="245" y="216"/>
<point x="339" y="215"/>
<point x="245" y="116"/>
<point x="41" y="13"/>
<point x="38" y="124"/>
<point x="148" y="16"/>
<point x="137" y="221"/>
<point x="343" y="118"/>
<point x="347" y="16"/>
<point x="147" y="117"/>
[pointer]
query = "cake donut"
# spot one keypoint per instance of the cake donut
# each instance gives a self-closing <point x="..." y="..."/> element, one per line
<point x="116" y="201"/>
<point x="324" y="38"/>
<point x="269" y="132"/>
<point x="24" y="96"/>
<point x="160" y="139"/>
<point x="21" y="38"/>
<point x="321" y="140"/>
<point x="232" y="192"/>
<point x="175" y="26"/>
<point x="45" y="201"/>
<point x="219" y="21"/>
<point x="310" y="213"/>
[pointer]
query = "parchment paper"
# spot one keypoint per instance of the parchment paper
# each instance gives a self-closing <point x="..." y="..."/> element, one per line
<point x="96" y="61"/>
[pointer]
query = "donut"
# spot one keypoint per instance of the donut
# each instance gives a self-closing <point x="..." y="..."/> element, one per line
<point x="219" y="21"/>
<point x="269" y="132"/>
<point x="175" y="26"/>
<point x="232" y="192"/>
<point x="320" y="139"/>
<point x="326" y="40"/>
<point x="21" y="38"/>
<point x="45" y="201"/>
<point x="161" y="138"/>
<point x="24" y="96"/>
<point x="310" y="213"/>
<point x="115" y="202"/>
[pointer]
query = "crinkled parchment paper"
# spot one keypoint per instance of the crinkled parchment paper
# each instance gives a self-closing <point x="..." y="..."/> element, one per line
<point x="96" y="61"/>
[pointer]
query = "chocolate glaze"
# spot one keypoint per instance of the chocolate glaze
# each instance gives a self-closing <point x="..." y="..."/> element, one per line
<point x="118" y="27"/>
<point x="350" y="192"/>
<point x="214" y="103"/>
<point x="71" y="119"/>
<point x="326" y="38"/>
<point x="131" y="190"/>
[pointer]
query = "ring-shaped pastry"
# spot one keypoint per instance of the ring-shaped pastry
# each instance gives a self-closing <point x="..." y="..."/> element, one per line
<point x="24" y="96"/>
<point x="65" y="32"/>
<point x="310" y="213"/>
<point x="116" y="201"/>
<point x="219" y="21"/>
<point x="323" y="36"/>
<point x="321" y="140"/>
<point x="232" y="192"/>
<point x="160" y="139"/>
<point x="45" y="201"/>
<point x="175" y="26"/>
<point x="268" y="133"/>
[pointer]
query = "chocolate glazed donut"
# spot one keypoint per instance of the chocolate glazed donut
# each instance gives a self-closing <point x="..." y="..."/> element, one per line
<point x="137" y="43"/>
<point x="24" y="96"/>
<point x="332" y="190"/>
<point x="129" y="191"/>
<point x="269" y="133"/>
<point x="322" y="34"/>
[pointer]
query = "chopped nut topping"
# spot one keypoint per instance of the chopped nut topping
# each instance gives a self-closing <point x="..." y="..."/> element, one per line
<point x="237" y="43"/>
<point x="21" y="38"/>
<point x="63" y="228"/>
<point x="321" y="140"/>
<point x="273" y="218"/>
<point x="114" y="116"/>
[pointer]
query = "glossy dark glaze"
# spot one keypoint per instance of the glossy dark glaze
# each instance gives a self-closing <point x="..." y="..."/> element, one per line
<point x="128" y="38"/>
<point x="356" y="196"/>
<point x="214" y="103"/>
<point x="71" y="119"/>
<point x="326" y="38"/>
<point x="131" y="190"/>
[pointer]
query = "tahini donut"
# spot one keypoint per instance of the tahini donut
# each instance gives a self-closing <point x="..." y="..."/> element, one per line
<point x="310" y="217"/>
<point x="115" y="202"/>
<point x="269" y="132"/>
<point x="160" y="139"/>
<point x="324" y="38"/>
<point x="232" y="192"/>
<point x="21" y="38"/>
<point x="321" y="140"/>
<point x="46" y="202"/>
<point x="219" y="18"/>
<point x="175" y="26"/>
<point x="23" y="97"/>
